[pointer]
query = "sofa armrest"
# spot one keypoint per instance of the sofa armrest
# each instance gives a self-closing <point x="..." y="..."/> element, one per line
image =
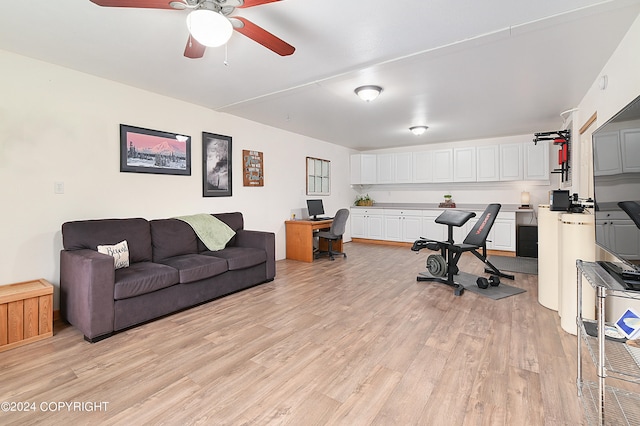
<point x="261" y="240"/>
<point x="87" y="281"/>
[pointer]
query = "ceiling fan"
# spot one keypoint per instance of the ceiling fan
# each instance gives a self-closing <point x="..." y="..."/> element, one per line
<point x="216" y="18"/>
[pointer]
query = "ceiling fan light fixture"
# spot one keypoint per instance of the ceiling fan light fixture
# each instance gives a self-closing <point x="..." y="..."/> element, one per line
<point x="368" y="93"/>
<point x="418" y="130"/>
<point x="209" y="28"/>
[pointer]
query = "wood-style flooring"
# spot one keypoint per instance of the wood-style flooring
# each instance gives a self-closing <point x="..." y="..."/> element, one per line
<point x="355" y="341"/>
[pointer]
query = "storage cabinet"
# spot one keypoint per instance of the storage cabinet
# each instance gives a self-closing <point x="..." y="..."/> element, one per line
<point x="363" y="169"/>
<point x="536" y="161"/>
<point x="367" y="223"/>
<point x="402" y="225"/>
<point x="511" y="162"/>
<point x="394" y="168"/>
<point x="503" y="233"/>
<point x="442" y="165"/>
<point x="385" y="168"/>
<point x="26" y="313"/>
<point x="464" y="164"/>
<point x="408" y="225"/>
<point x="604" y="404"/>
<point x="488" y="163"/>
<point x="403" y="162"/>
<point x="422" y="167"/>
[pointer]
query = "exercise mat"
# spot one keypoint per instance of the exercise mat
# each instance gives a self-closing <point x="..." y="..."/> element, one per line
<point x="523" y="265"/>
<point x="468" y="281"/>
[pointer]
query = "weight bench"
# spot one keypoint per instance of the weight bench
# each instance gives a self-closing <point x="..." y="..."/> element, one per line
<point x="444" y="267"/>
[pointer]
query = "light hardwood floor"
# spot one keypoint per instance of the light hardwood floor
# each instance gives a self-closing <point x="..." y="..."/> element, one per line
<point x="349" y="342"/>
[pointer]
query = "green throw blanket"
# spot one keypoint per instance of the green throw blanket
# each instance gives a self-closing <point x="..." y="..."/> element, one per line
<point x="213" y="232"/>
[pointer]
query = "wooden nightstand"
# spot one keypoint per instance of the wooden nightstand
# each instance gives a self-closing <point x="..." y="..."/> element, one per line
<point x="26" y="313"/>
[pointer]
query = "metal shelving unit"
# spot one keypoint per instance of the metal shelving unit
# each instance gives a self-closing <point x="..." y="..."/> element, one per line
<point x="605" y="404"/>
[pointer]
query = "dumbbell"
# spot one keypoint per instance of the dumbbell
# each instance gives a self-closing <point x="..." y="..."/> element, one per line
<point x="483" y="282"/>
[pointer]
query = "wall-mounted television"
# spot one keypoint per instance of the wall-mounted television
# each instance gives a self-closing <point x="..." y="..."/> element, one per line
<point x="616" y="185"/>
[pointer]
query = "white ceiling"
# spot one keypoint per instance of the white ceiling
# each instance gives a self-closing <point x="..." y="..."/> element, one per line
<point x="468" y="69"/>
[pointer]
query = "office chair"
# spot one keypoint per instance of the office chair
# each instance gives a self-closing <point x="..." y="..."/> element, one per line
<point x="446" y="264"/>
<point x="335" y="233"/>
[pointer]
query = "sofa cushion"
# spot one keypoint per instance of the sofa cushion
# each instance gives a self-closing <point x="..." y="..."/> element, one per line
<point x="240" y="257"/>
<point x="172" y="237"/>
<point x="119" y="252"/>
<point x="89" y="234"/>
<point x="194" y="267"/>
<point x="143" y="277"/>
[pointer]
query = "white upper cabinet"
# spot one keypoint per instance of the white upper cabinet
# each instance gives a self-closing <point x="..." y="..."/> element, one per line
<point x="394" y="168"/>
<point x="386" y="168"/>
<point x="464" y="164"/>
<point x="404" y="167"/>
<point x="422" y="167"/>
<point x="363" y="169"/>
<point x="536" y="161"/>
<point x="488" y="163"/>
<point x="511" y="162"/>
<point x="442" y="160"/>
<point x="630" y="147"/>
<point x="484" y="163"/>
<point x="606" y="152"/>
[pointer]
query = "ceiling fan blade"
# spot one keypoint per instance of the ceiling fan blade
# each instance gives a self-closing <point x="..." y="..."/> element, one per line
<point x="151" y="4"/>
<point x="194" y="50"/>
<point x="251" y="3"/>
<point x="262" y="36"/>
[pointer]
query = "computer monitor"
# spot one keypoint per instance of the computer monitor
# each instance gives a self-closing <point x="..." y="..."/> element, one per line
<point x="315" y="208"/>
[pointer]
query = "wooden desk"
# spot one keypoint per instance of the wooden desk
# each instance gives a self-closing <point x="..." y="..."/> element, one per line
<point x="300" y="238"/>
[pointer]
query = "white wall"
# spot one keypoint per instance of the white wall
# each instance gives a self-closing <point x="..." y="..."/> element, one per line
<point x="623" y="75"/>
<point x="58" y="125"/>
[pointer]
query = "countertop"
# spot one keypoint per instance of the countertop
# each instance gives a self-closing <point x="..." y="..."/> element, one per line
<point x="435" y="206"/>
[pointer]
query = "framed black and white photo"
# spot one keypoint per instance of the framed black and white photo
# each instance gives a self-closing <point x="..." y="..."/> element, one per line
<point x="216" y="165"/>
<point x="154" y="151"/>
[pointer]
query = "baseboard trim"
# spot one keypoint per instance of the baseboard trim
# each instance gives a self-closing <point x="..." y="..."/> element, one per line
<point x="403" y="244"/>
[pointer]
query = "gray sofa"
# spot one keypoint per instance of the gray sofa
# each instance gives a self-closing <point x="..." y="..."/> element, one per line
<point x="170" y="270"/>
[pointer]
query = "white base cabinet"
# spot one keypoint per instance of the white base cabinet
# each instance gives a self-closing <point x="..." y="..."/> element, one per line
<point x="367" y="224"/>
<point x="402" y="225"/>
<point x="409" y="225"/>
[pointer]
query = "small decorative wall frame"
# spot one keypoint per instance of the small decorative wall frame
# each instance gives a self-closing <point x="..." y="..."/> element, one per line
<point x="252" y="168"/>
<point x="318" y="176"/>
<point x="216" y="165"/>
<point x="153" y="151"/>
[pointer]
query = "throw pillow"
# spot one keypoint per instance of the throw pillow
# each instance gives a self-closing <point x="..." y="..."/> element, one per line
<point x="119" y="252"/>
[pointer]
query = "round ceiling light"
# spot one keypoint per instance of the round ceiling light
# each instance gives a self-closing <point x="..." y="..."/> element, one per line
<point x="368" y="93"/>
<point x="209" y="28"/>
<point x="418" y="130"/>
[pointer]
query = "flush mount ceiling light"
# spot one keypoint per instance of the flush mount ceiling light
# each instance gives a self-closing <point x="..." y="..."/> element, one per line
<point x="418" y="130"/>
<point x="368" y="93"/>
<point x="209" y="27"/>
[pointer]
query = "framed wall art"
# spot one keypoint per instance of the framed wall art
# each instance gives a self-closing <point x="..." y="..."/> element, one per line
<point x="253" y="168"/>
<point x="318" y="176"/>
<point x="216" y="165"/>
<point x="154" y="151"/>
